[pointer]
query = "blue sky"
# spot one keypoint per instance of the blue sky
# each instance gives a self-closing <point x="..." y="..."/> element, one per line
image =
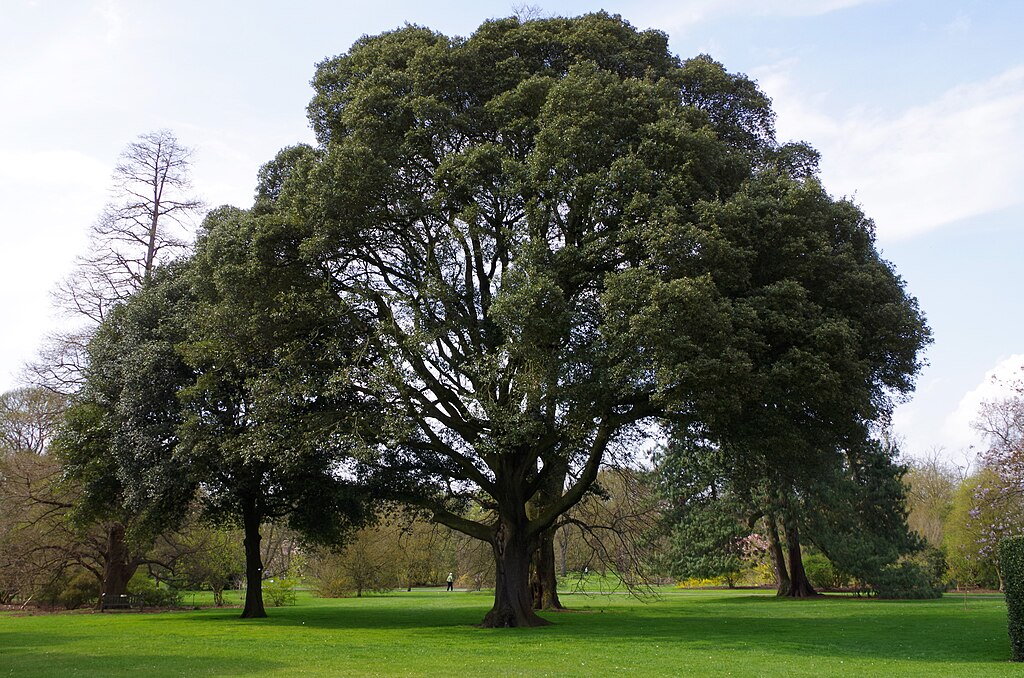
<point x="917" y="107"/>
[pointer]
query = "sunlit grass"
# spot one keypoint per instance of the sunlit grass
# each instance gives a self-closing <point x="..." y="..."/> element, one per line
<point x="430" y="632"/>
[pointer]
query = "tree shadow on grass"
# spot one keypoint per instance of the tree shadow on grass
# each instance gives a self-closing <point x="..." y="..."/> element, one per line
<point x="855" y="628"/>
<point x="35" y="654"/>
<point x="833" y="627"/>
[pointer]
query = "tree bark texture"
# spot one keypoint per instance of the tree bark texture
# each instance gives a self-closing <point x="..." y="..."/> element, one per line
<point x="543" y="580"/>
<point x="800" y="586"/>
<point x="253" y="563"/>
<point x="118" y="566"/>
<point x="782" y="580"/>
<point x="513" y="605"/>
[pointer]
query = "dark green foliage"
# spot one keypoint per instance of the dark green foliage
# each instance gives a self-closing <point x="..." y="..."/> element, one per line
<point x="505" y="207"/>
<point x="562" y="230"/>
<point x="933" y="561"/>
<point x="271" y="414"/>
<point x="118" y="438"/>
<point x="856" y="516"/>
<point x="706" y="541"/>
<point x="706" y="524"/>
<point x="905" y="580"/>
<point x="1011" y="560"/>
<point x="266" y="415"/>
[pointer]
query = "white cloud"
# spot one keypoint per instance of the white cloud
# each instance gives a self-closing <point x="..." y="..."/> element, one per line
<point x="958" y="427"/>
<point x="957" y="156"/>
<point x="935" y="422"/>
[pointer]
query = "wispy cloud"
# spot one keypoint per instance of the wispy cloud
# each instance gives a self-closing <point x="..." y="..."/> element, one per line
<point x="958" y="156"/>
<point x="678" y="16"/>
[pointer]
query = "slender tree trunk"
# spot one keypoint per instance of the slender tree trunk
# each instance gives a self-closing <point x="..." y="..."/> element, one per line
<point x="253" y="563"/>
<point x="782" y="580"/>
<point x="563" y="550"/>
<point x="543" y="582"/>
<point x="118" y="566"/>
<point x="513" y="605"/>
<point x="800" y="586"/>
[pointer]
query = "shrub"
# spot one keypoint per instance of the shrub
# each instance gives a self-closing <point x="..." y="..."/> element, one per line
<point x="80" y="590"/>
<point x="822" y="574"/>
<point x="905" y="580"/>
<point x="280" y="591"/>
<point x="151" y="594"/>
<point x="1011" y="561"/>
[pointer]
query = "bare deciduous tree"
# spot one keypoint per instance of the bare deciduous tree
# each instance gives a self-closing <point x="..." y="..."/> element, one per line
<point x="148" y="222"/>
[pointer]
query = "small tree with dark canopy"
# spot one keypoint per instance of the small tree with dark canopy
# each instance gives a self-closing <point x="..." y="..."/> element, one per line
<point x="266" y="418"/>
<point x="223" y="378"/>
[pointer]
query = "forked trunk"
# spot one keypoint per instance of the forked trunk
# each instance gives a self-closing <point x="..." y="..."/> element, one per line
<point x="782" y="580"/>
<point x="800" y="586"/>
<point x="513" y="606"/>
<point x="253" y="564"/>
<point x="543" y="582"/>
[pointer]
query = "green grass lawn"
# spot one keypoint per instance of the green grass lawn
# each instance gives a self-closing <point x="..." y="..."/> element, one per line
<point x="431" y="633"/>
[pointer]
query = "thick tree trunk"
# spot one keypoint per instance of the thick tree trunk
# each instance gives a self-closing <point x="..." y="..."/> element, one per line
<point x="118" y="566"/>
<point x="782" y="580"/>
<point x="253" y="563"/>
<point x="513" y="606"/>
<point x="800" y="586"/>
<point x="543" y="582"/>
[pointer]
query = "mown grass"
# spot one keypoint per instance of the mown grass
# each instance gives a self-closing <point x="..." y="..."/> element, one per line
<point x="431" y="633"/>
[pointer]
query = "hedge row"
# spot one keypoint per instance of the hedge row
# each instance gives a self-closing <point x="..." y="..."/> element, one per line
<point x="1011" y="560"/>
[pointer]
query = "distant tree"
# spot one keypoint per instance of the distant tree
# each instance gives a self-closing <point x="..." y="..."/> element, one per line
<point x="613" y="528"/>
<point x="1001" y="423"/>
<point x="149" y="221"/>
<point x="29" y="418"/>
<point x="997" y="510"/>
<point x="41" y="551"/>
<point x="425" y="546"/>
<point x="983" y="510"/>
<point x="932" y="483"/>
<point x="203" y="556"/>
<point x="369" y="561"/>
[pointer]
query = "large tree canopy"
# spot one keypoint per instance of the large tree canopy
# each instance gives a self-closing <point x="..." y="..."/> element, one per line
<point x="512" y="256"/>
<point x="566" y="235"/>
